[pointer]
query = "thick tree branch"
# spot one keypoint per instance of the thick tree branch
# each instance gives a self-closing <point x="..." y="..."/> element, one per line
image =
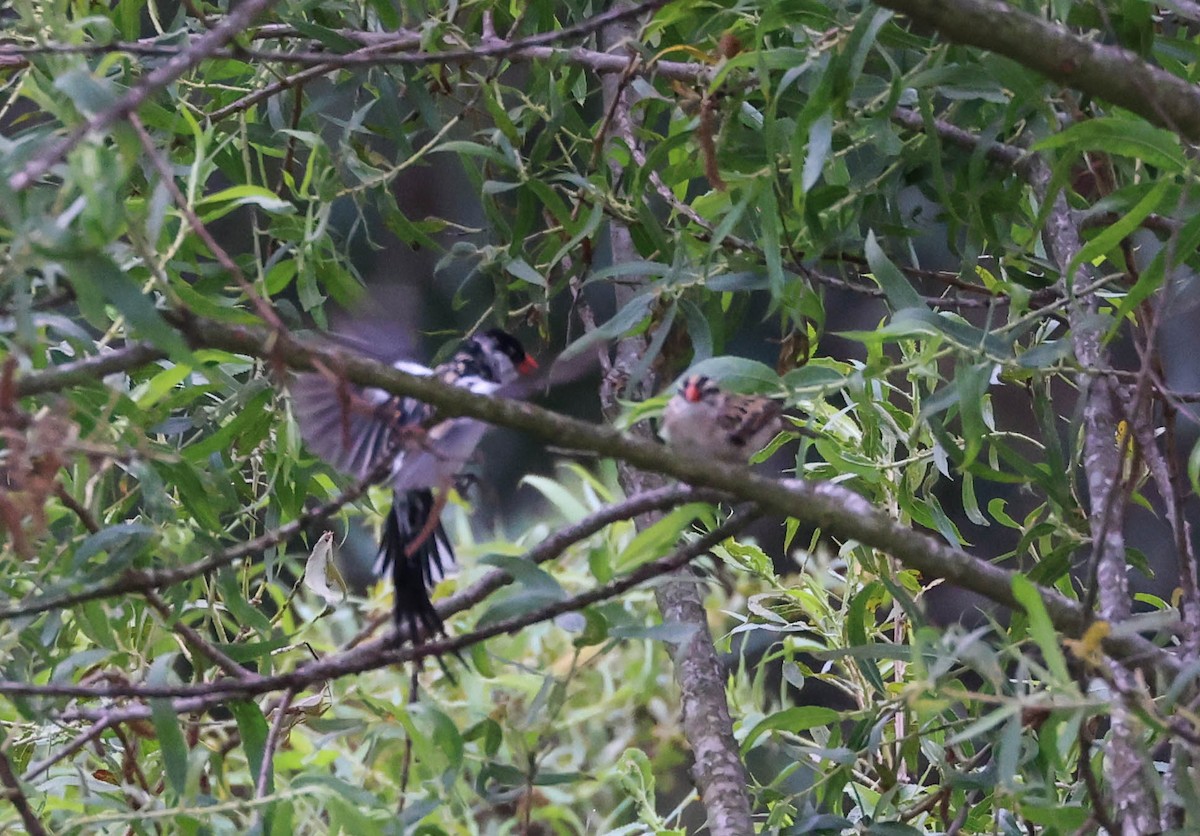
<point x="1132" y="797"/>
<point x="1107" y="72"/>
<point x="834" y="508"/>
<point x="717" y="772"/>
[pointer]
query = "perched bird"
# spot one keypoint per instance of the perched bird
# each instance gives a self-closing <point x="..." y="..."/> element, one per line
<point x="704" y="420"/>
<point x="353" y="428"/>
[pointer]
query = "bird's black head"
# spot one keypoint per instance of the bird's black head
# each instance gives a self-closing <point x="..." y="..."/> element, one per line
<point x="494" y="355"/>
<point x="511" y="348"/>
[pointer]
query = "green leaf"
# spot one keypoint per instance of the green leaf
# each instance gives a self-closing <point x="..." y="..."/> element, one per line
<point x="253" y="729"/>
<point x="152" y="391"/>
<point x="1124" y="137"/>
<point x="820" y="143"/>
<point x="1193" y="467"/>
<point x="171" y="744"/>
<point x="122" y="543"/>
<point x="636" y="310"/>
<point x="673" y="633"/>
<point x="900" y="293"/>
<point x="87" y="92"/>
<point x="474" y="149"/>
<point x="796" y="719"/>
<point x="860" y="622"/>
<point x="1117" y="232"/>
<point x="659" y="539"/>
<point x="772" y="236"/>
<point x="1041" y="628"/>
<point x="971" y="383"/>
<point x="520" y="268"/>
<point x="566" y="502"/>
<point x="518" y="603"/>
<point x="527" y="574"/>
<point x="97" y="276"/>
<point x="737" y="374"/>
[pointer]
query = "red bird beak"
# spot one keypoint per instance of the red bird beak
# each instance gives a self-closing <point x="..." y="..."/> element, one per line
<point x="691" y="392"/>
<point x="528" y="365"/>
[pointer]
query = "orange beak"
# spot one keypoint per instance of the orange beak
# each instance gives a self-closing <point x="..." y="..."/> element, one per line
<point x="691" y="392"/>
<point x="528" y="365"/>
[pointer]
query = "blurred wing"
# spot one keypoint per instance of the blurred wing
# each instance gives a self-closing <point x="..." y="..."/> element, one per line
<point x="350" y="427"/>
<point x="440" y="455"/>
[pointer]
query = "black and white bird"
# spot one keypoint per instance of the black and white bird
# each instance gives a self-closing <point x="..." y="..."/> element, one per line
<point x="353" y="428"/>
<point x="704" y="420"/>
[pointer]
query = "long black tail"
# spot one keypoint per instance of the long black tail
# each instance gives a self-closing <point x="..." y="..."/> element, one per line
<point x="414" y="577"/>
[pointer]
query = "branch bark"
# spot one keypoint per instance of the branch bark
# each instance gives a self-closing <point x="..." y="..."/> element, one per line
<point x="1124" y="762"/>
<point x="14" y="793"/>
<point x="230" y="26"/>
<point x="832" y="507"/>
<point x="1107" y="72"/>
<point x="717" y="770"/>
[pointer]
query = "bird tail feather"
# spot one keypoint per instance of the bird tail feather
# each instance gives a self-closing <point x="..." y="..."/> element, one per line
<point x="413" y="577"/>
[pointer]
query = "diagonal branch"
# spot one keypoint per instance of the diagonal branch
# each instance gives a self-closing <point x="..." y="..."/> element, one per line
<point x="13" y="792"/>
<point x="378" y="654"/>
<point x="1107" y="72"/>
<point x="834" y="508"/>
<point x="230" y="26"/>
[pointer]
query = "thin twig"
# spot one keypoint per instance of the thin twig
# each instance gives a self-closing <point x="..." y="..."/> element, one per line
<point x="14" y="793"/>
<point x="92" y="732"/>
<point x="215" y="654"/>
<point x="531" y="48"/>
<point x="85" y="516"/>
<point x="273" y="737"/>
<point x="230" y="26"/>
<point x="167" y="178"/>
<point x="381" y="653"/>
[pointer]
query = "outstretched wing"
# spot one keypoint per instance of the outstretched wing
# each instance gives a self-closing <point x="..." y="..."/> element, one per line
<point x="349" y="426"/>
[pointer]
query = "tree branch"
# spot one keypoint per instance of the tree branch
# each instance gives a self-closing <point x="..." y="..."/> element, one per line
<point x="834" y="508"/>
<point x="717" y="771"/>
<point x="1107" y="72"/>
<point x="230" y="26"/>
<point x="14" y="793"/>
<point x="1132" y="797"/>
<point x="88" y="371"/>
<point x="377" y="654"/>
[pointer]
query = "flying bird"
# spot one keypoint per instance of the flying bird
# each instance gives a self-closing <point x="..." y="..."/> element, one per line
<point x="354" y="428"/>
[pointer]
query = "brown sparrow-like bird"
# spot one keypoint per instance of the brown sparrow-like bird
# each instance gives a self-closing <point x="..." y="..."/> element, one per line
<point x="702" y="419"/>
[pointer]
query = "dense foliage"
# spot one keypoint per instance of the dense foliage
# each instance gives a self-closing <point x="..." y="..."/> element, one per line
<point x="961" y="274"/>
